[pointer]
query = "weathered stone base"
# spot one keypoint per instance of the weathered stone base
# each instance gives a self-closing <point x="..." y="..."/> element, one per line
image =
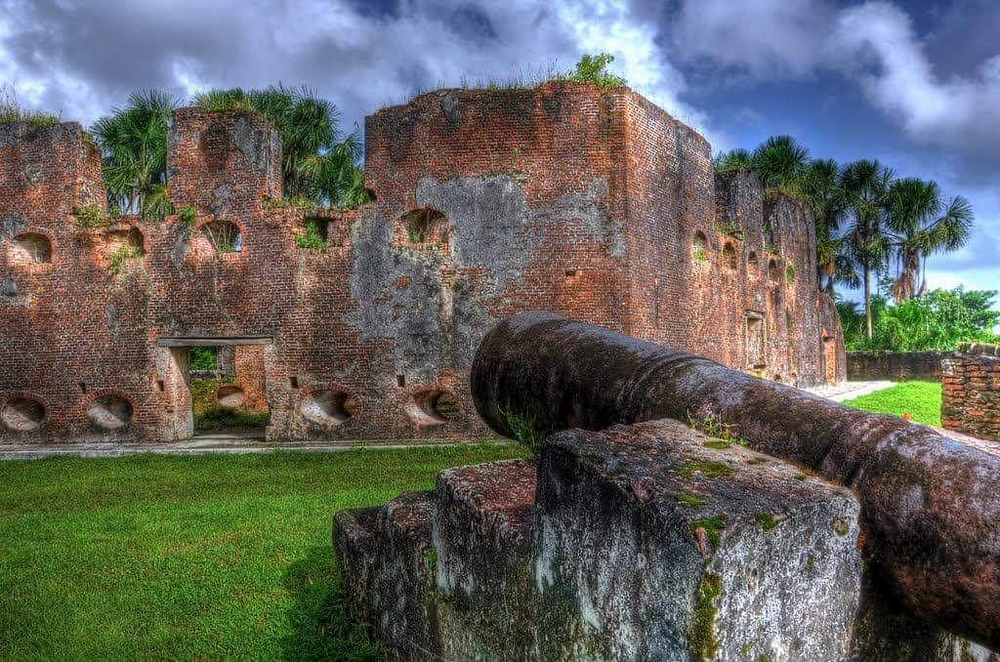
<point x="649" y="541"/>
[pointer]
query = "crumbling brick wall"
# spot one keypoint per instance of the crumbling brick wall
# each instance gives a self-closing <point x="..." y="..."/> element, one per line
<point x="566" y="197"/>
<point x="971" y="391"/>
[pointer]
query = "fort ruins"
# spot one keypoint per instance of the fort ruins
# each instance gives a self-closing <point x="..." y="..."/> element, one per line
<point x="592" y="203"/>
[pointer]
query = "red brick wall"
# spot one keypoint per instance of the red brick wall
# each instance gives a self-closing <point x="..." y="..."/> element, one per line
<point x="566" y="197"/>
<point x="971" y="391"/>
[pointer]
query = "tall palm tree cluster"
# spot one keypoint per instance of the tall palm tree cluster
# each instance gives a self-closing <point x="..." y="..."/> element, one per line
<point x="319" y="164"/>
<point x="867" y="220"/>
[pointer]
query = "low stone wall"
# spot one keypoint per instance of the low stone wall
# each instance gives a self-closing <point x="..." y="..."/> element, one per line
<point x="895" y="366"/>
<point x="971" y="391"/>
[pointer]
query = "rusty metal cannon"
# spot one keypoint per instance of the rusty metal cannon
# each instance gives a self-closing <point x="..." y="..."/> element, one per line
<point x="930" y="506"/>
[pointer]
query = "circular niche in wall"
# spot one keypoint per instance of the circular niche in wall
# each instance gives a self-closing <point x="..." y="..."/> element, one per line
<point x="433" y="407"/>
<point x="231" y="396"/>
<point x="22" y="415"/>
<point x="329" y="408"/>
<point x="110" y="412"/>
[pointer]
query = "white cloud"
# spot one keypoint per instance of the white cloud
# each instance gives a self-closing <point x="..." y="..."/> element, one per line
<point x="357" y="57"/>
<point x="768" y="38"/>
<point x="876" y="41"/>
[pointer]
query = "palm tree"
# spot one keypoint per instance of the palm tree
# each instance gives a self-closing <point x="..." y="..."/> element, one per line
<point x="133" y="142"/>
<point x="737" y="159"/>
<point x="781" y="163"/>
<point x="820" y="187"/>
<point x="919" y="224"/>
<point x="865" y="186"/>
<point x="308" y="125"/>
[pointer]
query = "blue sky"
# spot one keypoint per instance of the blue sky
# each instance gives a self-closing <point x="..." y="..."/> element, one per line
<point x="914" y="84"/>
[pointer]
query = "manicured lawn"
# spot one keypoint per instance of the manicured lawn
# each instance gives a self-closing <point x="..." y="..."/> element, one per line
<point x="922" y="400"/>
<point x="191" y="557"/>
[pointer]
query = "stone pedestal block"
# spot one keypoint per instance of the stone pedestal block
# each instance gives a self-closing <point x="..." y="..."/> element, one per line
<point x="482" y="534"/>
<point x="654" y="541"/>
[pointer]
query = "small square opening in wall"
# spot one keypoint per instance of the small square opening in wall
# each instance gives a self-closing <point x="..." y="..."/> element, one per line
<point x="83" y="387"/>
<point x="160" y="386"/>
<point x="293" y="382"/>
<point x="400" y="381"/>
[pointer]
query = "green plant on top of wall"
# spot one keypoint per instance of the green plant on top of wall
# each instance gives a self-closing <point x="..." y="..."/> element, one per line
<point x="188" y="214"/>
<point x="312" y="239"/>
<point x="90" y="216"/>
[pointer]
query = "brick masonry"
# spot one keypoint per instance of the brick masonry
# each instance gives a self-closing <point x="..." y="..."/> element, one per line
<point x="593" y="203"/>
<point x="895" y="366"/>
<point x="971" y="391"/>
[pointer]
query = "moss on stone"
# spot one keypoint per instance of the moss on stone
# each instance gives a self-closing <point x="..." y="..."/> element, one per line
<point x="713" y="526"/>
<point x="718" y="444"/>
<point x="766" y="521"/>
<point x="691" y="500"/>
<point x="707" y="468"/>
<point x="702" y="638"/>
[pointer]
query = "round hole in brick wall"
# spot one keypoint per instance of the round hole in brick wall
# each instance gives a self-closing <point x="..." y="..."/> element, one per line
<point x="329" y="407"/>
<point x="433" y="407"/>
<point x="31" y="248"/>
<point x="110" y="412"/>
<point x="230" y="396"/>
<point x="22" y="415"/>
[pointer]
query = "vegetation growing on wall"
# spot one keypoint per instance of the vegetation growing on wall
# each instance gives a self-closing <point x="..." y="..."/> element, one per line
<point x="11" y="110"/>
<point x="936" y="320"/>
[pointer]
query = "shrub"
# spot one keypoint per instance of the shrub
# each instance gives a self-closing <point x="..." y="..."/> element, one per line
<point x="120" y="255"/>
<point x="594" y="69"/>
<point x="188" y="214"/>
<point x="90" y="216"/>
<point x="312" y="239"/>
<point x="938" y="320"/>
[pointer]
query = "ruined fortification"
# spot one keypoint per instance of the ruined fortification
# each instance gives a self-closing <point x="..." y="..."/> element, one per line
<point x="592" y="203"/>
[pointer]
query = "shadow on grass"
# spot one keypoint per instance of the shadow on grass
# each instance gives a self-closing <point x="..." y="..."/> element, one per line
<point x="323" y="625"/>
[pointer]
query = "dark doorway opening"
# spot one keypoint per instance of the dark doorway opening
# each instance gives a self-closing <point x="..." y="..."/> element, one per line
<point x="228" y="390"/>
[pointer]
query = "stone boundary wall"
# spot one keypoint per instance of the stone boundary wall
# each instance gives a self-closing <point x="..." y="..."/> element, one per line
<point x="895" y="366"/>
<point x="971" y="391"/>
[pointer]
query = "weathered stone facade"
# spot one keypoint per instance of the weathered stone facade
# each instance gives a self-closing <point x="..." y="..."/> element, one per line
<point x="971" y="391"/>
<point x="592" y="203"/>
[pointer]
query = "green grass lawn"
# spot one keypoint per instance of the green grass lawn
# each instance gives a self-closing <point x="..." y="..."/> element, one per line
<point x="922" y="400"/>
<point x="191" y="557"/>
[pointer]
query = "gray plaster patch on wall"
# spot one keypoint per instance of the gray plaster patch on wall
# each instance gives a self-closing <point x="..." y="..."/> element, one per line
<point x="257" y="144"/>
<point x="437" y="321"/>
<point x="11" y="225"/>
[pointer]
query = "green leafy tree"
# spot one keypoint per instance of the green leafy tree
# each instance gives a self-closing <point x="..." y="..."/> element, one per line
<point x="133" y="142"/>
<point x="782" y="164"/>
<point x="937" y="320"/>
<point x="594" y="69"/>
<point x="919" y="224"/>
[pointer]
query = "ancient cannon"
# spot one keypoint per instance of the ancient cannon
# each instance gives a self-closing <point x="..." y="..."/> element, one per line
<point x="930" y="506"/>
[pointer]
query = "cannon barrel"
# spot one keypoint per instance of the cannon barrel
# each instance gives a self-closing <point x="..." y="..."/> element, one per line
<point x="930" y="506"/>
